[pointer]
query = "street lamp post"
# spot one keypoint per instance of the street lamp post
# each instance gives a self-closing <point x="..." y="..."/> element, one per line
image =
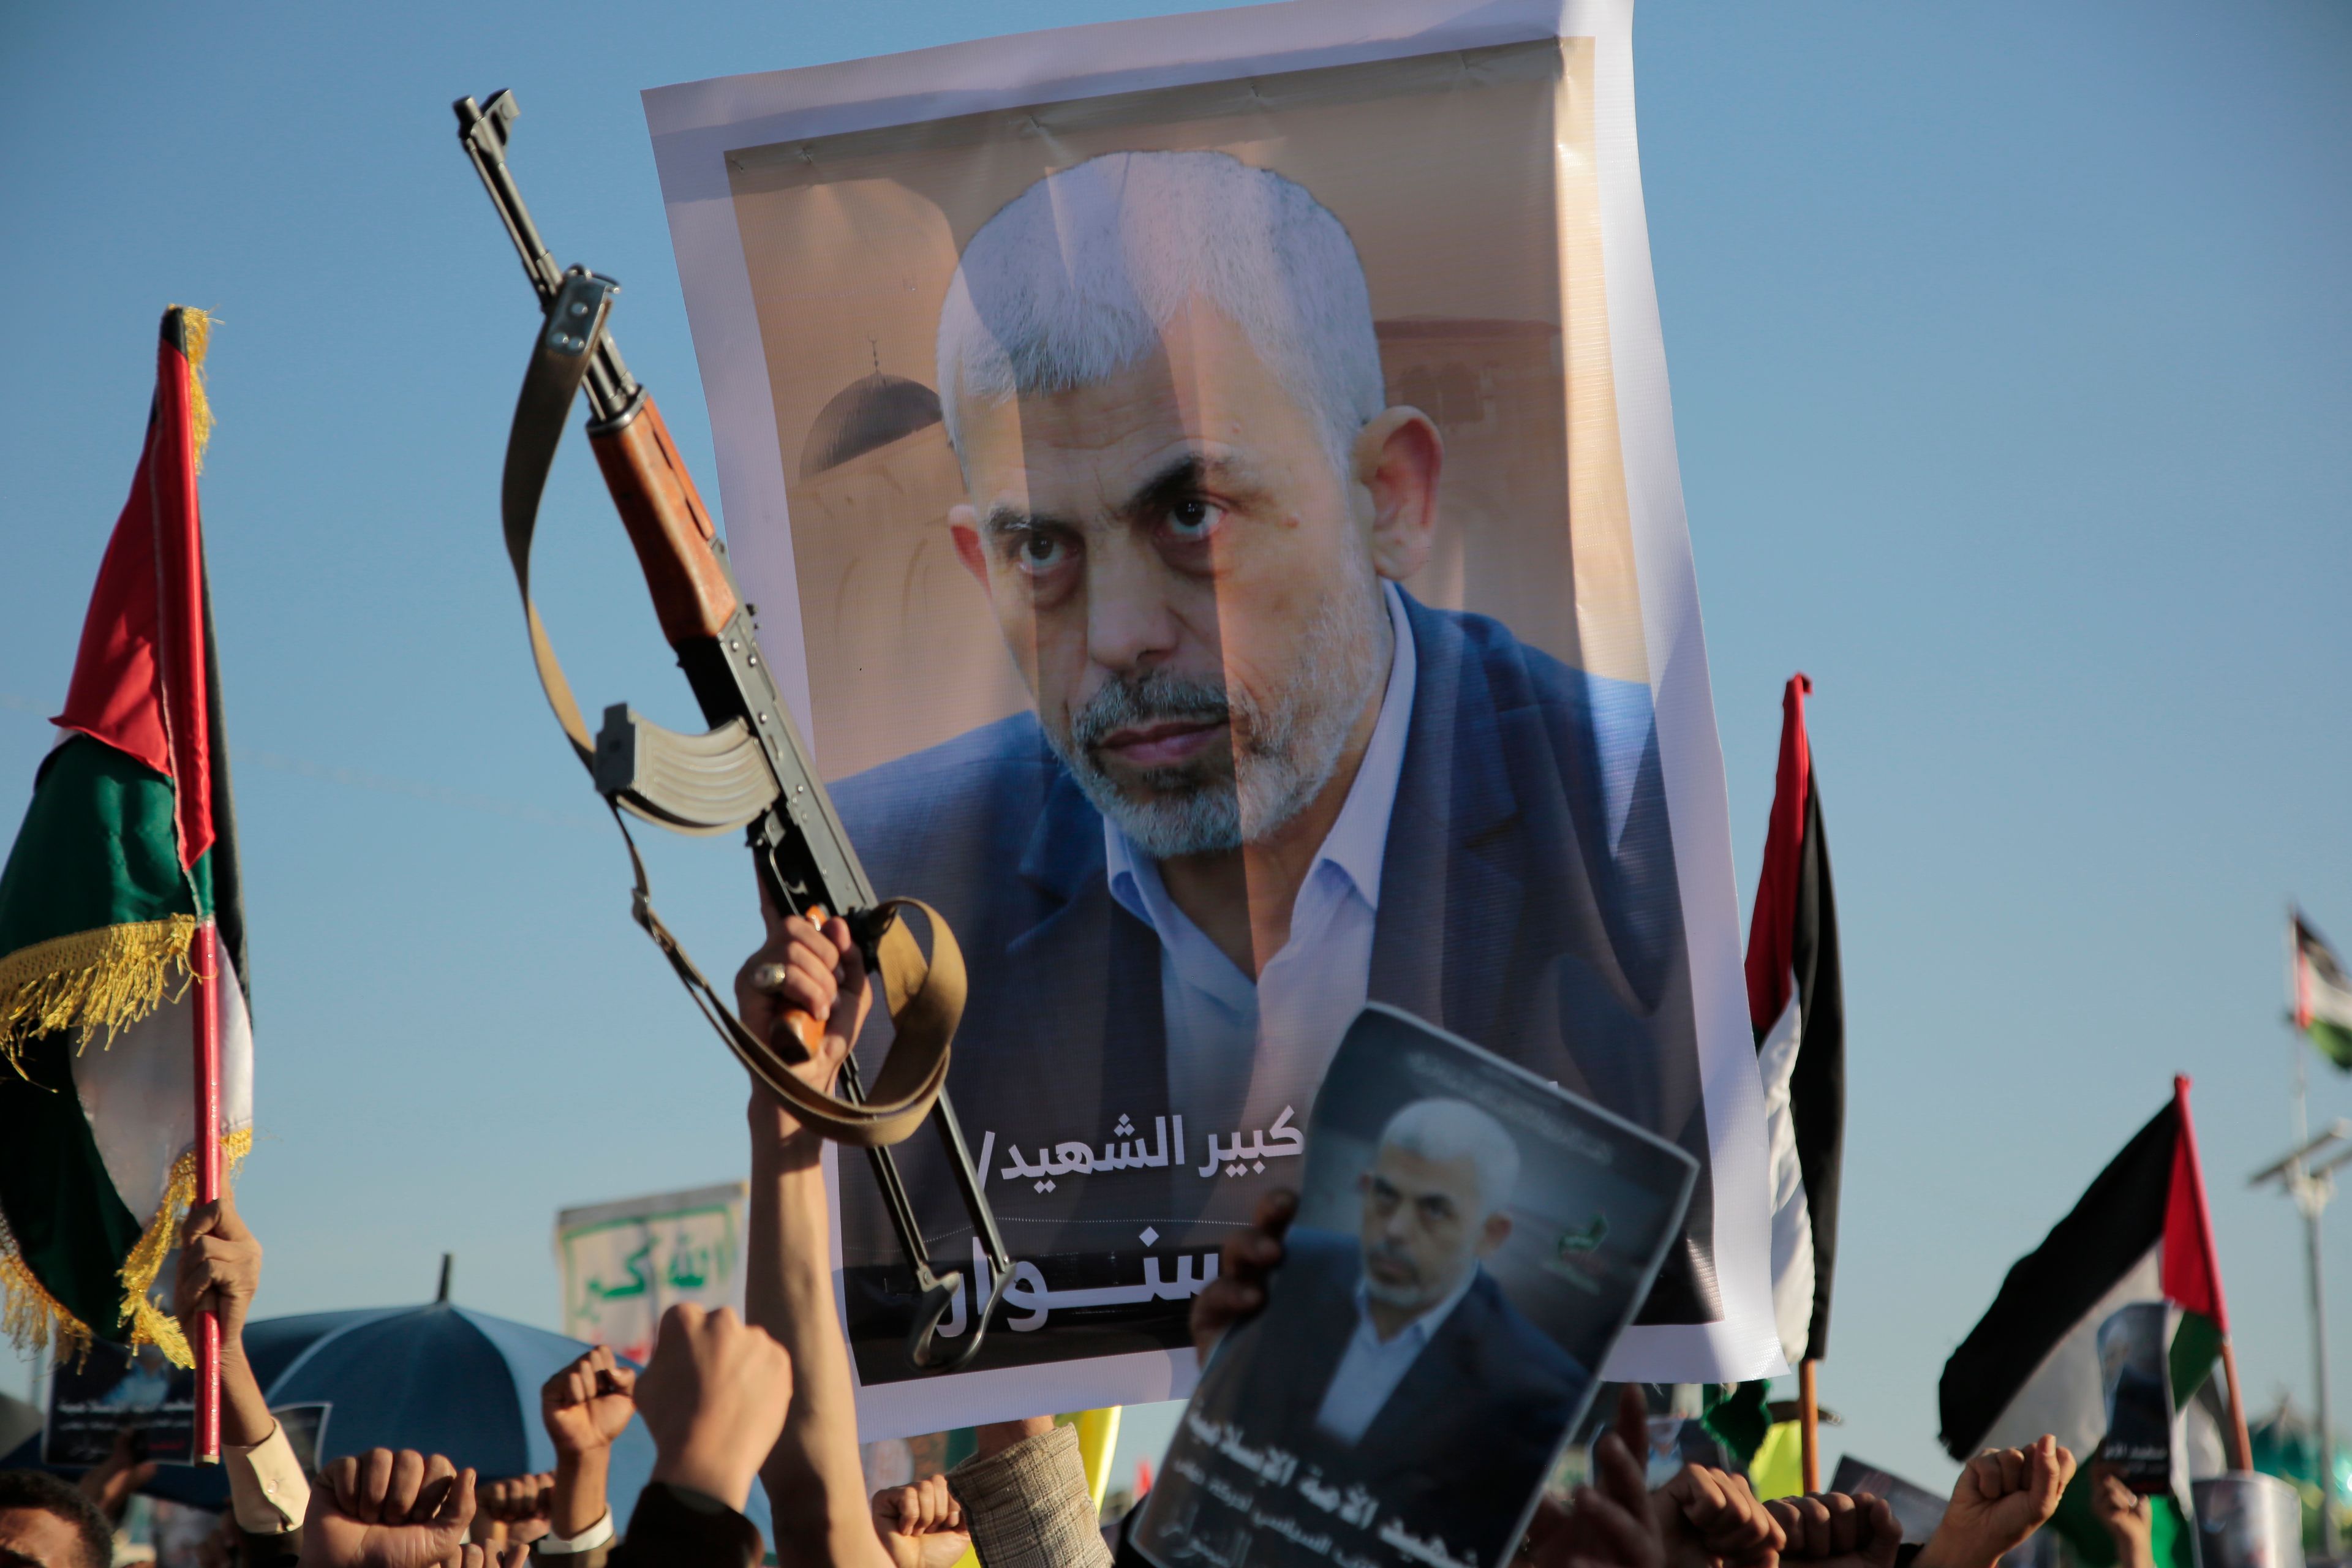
<point x="2307" y="1176"/>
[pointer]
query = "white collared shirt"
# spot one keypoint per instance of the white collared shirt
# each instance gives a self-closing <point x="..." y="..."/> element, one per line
<point x="1238" y="1052"/>
<point x="597" y="1534"/>
<point x="1373" y="1367"/>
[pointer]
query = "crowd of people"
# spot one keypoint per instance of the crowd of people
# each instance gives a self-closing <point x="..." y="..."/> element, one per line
<point x="769" y="1396"/>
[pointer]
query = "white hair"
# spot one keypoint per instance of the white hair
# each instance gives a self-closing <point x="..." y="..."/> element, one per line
<point x="1450" y="1130"/>
<point x="1075" y="279"/>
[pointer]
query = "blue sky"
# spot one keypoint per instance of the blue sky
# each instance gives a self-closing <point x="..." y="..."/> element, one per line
<point x="2013" y="366"/>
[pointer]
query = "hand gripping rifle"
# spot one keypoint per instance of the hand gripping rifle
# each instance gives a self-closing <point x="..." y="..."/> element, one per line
<point x="749" y="771"/>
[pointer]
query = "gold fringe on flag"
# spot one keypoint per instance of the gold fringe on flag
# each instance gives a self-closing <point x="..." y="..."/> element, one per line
<point x="31" y="1318"/>
<point x="196" y="328"/>
<point x="150" y="1324"/>
<point x="90" y="980"/>
<point x="29" y="1315"/>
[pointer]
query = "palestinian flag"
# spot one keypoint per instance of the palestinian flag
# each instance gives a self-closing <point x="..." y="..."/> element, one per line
<point x="2141" y="1232"/>
<point x="120" y="916"/>
<point x="1797" y="1005"/>
<point x="2323" y="996"/>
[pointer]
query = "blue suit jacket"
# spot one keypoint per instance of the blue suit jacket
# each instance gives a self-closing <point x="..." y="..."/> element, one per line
<point x="1560" y="951"/>
<point x="1458" y="1447"/>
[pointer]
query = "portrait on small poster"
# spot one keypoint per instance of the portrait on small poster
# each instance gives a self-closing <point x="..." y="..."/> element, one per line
<point x="2136" y="1381"/>
<point x="1211" y="487"/>
<point x="1469" y="1241"/>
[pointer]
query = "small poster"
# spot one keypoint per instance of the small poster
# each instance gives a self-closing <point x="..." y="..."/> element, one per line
<point x="1917" y="1510"/>
<point x="1470" y="1241"/>
<point x="111" y="1388"/>
<point x="625" y="1264"/>
<point x="305" y="1425"/>
<point x="2135" y="1379"/>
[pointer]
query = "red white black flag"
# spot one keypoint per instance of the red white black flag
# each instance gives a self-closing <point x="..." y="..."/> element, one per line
<point x="1798" y="1008"/>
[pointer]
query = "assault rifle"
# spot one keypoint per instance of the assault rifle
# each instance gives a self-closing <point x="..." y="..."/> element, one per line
<point x="749" y="771"/>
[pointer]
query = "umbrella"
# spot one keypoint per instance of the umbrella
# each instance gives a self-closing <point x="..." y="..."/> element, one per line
<point x="440" y="1379"/>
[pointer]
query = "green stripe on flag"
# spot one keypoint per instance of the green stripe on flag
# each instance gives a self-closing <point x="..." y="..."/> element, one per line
<point x="2334" y="1041"/>
<point x="67" y="1222"/>
<point x="2196" y="1346"/>
<point x="95" y="912"/>
<point x="1737" y="1415"/>
<point x="97" y="849"/>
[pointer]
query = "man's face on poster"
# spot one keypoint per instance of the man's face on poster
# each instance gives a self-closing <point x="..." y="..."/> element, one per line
<point x="1189" y="579"/>
<point x="1425" y="1227"/>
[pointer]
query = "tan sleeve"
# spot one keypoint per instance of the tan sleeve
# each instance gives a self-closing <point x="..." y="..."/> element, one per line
<point x="1028" y="1507"/>
<point x="265" y="1488"/>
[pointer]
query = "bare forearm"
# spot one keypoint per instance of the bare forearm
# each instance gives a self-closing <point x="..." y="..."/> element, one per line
<point x="579" y="1499"/>
<point x="245" y="1420"/>
<point x="816" y="1489"/>
<point x="2133" y="1549"/>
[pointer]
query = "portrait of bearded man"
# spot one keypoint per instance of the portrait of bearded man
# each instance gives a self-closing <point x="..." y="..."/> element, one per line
<point x="1259" y="783"/>
<point x="1391" y="1359"/>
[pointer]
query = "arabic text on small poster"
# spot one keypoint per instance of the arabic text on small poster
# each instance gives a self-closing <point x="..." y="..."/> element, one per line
<point x="625" y="1264"/>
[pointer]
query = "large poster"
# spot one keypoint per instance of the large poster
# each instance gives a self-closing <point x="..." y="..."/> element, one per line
<point x="1209" y="488"/>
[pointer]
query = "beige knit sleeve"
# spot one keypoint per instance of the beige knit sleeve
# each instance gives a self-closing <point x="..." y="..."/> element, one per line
<point x="1028" y="1507"/>
<point x="265" y="1488"/>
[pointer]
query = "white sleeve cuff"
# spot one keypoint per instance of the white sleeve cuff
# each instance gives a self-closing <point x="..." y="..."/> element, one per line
<point x="265" y="1488"/>
<point x="597" y="1534"/>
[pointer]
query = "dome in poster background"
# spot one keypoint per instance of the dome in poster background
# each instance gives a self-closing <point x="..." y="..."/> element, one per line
<point x="870" y="412"/>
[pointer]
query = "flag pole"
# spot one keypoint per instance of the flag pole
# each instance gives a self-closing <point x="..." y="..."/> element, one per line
<point x="205" y="952"/>
<point x="2311" y="1192"/>
<point x="1808" y="1425"/>
<point x="2241" y="1447"/>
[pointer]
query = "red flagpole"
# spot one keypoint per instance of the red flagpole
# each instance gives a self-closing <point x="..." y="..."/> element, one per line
<point x="205" y="955"/>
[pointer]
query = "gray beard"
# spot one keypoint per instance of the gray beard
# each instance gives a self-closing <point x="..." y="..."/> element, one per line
<point x="1285" y="751"/>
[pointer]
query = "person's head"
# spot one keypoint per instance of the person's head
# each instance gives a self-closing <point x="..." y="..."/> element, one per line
<point x="1159" y="374"/>
<point x="1434" y="1201"/>
<point x="45" y="1523"/>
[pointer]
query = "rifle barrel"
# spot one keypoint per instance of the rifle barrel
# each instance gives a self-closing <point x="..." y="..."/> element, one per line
<point x="482" y="130"/>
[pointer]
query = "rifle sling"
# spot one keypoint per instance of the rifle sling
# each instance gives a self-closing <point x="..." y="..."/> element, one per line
<point x="925" y="997"/>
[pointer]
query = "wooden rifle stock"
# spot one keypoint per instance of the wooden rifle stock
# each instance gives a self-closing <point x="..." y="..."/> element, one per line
<point x="667" y="521"/>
